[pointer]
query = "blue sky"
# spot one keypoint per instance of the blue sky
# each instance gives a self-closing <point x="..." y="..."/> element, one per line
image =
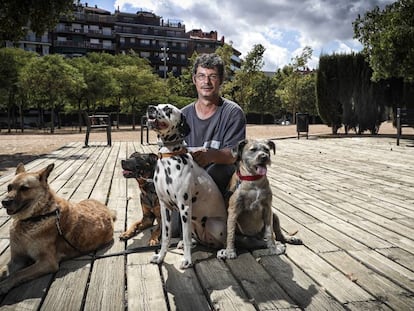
<point x="283" y="27"/>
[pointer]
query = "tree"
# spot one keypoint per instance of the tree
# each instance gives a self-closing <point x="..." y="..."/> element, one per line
<point x="263" y="97"/>
<point x="387" y="37"/>
<point x="241" y="88"/>
<point x="295" y="86"/>
<point x="226" y="52"/>
<point x="138" y="88"/>
<point x="48" y="79"/>
<point x="17" y="15"/>
<point x="12" y="60"/>
<point x="80" y="92"/>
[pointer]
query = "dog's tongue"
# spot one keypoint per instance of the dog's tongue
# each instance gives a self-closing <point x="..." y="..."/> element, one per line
<point x="261" y="170"/>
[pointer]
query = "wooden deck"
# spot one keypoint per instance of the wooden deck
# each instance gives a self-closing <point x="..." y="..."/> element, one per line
<point x="351" y="200"/>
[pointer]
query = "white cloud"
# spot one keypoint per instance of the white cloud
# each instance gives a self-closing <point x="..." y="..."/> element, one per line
<point x="283" y="27"/>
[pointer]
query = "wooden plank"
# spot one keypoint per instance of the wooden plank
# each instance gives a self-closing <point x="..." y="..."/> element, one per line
<point x="144" y="283"/>
<point x="383" y="289"/>
<point x="103" y="181"/>
<point x="334" y="282"/>
<point x="182" y="286"/>
<point x="107" y="285"/>
<point x="384" y="266"/>
<point x="69" y="285"/>
<point x="305" y="292"/>
<point x="107" y="281"/>
<point x="219" y="284"/>
<point x="27" y="296"/>
<point x="260" y="287"/>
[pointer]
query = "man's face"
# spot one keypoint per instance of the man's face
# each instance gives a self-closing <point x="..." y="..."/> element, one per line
<point x="207" y="82"/>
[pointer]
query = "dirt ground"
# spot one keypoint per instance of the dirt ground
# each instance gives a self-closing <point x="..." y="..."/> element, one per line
<point x="24" y="147"/>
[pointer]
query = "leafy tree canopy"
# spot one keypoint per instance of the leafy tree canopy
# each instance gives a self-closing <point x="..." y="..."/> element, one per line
<point x="387" y="37"/>
<point x="17" y="15"/>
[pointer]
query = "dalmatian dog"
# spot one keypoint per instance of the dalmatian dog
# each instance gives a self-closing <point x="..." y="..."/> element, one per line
<point x="182" y="185"/>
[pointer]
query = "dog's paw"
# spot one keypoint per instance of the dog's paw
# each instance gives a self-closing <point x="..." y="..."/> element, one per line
<point x="277" y="249"/>
<point x="293" y="240"/>
<point x="180" y="244"/>
<point x="157" y="259"/>
<point x="185" y="264"/>
<point x="125" y="236"/>
<point x="227" y="254"/>
<point x="153" y="242"/>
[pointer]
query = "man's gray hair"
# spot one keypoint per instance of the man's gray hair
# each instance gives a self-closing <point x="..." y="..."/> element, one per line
<point x="210" y="61"/>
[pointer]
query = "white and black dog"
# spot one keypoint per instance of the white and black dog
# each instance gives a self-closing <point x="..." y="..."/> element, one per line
<point x="182" y="185"/>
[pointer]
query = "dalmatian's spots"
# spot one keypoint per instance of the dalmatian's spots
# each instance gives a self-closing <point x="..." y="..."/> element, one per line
<point x="185" y="196"/>
<point x="193" y="199"/>
<point x="184" y="219"/>
<point x="178" y="167"/>
<point x="168" y="179"/>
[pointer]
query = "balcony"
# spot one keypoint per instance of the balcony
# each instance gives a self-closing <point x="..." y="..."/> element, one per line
<point x="84" y="44"/>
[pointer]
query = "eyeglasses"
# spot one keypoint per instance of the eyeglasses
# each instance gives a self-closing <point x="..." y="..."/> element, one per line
<point x="202" y="77"/>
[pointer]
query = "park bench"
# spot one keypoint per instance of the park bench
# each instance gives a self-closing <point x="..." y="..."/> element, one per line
<point x="97" y="121"/>
<point x="405" y="118"/>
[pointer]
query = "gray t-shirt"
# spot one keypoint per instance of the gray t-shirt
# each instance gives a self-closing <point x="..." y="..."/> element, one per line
<point x="224" y="129"/>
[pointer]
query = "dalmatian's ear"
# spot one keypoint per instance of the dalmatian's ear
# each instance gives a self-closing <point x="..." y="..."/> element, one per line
<point x="183" y="127"/>
<point x="237" y="150"/>
<point x="271" y="145"/>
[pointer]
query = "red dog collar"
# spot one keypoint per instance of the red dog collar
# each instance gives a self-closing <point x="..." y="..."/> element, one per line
<point x="248" y="177"/>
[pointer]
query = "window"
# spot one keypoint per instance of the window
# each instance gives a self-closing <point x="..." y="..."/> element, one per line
<point x="107" y="31"/>
<point x="145" y="42"/>
<point x="145" y="54"/>
<point x="107" y="43"/>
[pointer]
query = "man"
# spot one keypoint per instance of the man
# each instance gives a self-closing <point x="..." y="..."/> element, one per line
<point x="217" y="124"/>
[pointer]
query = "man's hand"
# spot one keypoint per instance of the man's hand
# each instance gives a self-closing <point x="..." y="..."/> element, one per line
<point x="202" y="157"/>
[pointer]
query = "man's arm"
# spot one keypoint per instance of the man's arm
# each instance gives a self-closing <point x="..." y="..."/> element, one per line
<point x="217" y="156"/>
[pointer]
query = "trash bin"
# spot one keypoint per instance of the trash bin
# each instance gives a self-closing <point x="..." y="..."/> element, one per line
<point x="302" y="124"/>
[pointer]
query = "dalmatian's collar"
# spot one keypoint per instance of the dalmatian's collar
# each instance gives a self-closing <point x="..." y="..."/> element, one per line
<point x="162" y="155"/>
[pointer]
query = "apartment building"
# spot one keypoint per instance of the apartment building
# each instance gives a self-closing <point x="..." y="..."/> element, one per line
<point x="165" y="43"/>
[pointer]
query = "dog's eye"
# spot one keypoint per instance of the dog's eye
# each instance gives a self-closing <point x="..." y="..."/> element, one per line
<point x="9" y="188"/>
<point x="24" y="188"/>
<point x="253" y="149"/>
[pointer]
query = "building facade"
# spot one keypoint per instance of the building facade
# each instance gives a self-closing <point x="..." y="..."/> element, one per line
<point x="165" y="43"/>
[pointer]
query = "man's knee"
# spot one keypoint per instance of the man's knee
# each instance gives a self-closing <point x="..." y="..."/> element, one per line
<point x="221" y="174"/>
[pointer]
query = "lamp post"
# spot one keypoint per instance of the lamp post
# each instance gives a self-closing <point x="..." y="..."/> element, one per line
<point x="164" y="50"/>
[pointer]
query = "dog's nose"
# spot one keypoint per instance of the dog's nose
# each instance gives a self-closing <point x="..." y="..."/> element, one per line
<point x="151" y="112"/>
<point x="6" y="203"/>
<point x="263" y="157"/>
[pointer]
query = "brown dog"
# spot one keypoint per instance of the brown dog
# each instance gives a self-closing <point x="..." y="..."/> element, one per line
<point x="250" y="206"/>
<point x="141" y="166"/>
<point x="47" y="228"/>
